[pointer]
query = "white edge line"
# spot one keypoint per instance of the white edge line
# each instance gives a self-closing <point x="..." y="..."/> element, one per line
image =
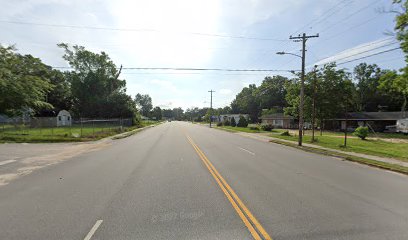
<point x="243" y="149"/>
<point x="93" y="230"/>
<point x="6" y="162"/>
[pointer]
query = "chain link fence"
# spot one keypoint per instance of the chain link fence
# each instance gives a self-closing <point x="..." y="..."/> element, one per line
<point x="46" y="128"/>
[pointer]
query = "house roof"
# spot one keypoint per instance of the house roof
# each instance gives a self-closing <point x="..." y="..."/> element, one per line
<point x="233" y="115"/>
<point x="374" y="116"/>
<point x="277" y="116"/>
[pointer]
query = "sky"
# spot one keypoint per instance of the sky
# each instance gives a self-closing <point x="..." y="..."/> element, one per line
<point x="227" y="34"/>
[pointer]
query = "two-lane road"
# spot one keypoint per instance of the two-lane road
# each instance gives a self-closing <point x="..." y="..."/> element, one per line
<point x="184" y="181"/>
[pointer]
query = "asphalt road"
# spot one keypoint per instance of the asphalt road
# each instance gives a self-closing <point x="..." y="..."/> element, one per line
<point x="184" y="181"/>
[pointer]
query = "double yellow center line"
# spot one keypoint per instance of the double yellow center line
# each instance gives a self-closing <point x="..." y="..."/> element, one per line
<point x="254" y="227"/>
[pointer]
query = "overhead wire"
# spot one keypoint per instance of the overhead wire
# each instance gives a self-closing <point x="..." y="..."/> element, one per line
<point x="141" y="30"/>
<point x="375" y="54"/>
<point x="358" y="53"/>
<point x="197" y="69"/>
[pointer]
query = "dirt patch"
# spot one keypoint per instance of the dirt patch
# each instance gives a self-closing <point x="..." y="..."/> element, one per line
<point x="29" y="164"/>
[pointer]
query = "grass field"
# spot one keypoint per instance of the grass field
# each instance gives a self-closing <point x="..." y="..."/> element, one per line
<point x="10" y="133"/>
<point x="372" y="147"/>
<point x="240" y="129"/>
<point x="379" y="144"/>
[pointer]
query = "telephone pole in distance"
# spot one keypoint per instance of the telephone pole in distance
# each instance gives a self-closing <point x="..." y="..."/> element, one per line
<point x="302" y="38"/>
<point x="211" y="91"/>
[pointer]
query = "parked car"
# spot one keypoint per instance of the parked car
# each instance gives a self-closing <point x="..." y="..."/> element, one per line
<point x="402" y="126"/>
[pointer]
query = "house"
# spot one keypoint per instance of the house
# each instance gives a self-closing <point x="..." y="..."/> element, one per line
<point x="377" y="121"/>
<point x="279" y="120"/>
<point x="63" y="118"/>
<point x="225" y="117"/>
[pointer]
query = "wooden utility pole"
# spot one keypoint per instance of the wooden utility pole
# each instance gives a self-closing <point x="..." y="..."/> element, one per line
<point x="302" y="38"/>
<point x="211" y="91"/>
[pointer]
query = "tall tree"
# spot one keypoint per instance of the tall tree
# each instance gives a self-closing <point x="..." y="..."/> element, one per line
<point x="334" y="92"/>
<point x="178" y="113"/>
<point x="144" y="103"/>
<point x="271" y="93"/>
<point x="395" y="85"/>
<point x="369" y="97"/>
<point x="23" y="82"/>
<point x="60" y="96"/>
<point x="246" y="102"/>
<point x="400" y="86"/>
<point x="157" y="113"/>
<point x="95" y="84"/>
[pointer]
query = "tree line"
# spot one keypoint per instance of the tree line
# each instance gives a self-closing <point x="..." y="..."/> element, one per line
<point x="91" y="88"/>
<point x="333" y="91"/>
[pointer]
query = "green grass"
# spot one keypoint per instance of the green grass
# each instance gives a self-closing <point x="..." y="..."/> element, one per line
<point x="11" y="133"/>
<point x="240" y="129"/>
<point x="379" y="164"/>
<point x="370" y="147"/>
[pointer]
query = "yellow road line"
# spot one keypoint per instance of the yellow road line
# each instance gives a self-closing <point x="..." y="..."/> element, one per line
<point x="234" y="199"/>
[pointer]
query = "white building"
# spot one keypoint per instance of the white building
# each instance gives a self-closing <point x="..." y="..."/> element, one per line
<point x="64" y="118"/>
<point x="225" y="117"/>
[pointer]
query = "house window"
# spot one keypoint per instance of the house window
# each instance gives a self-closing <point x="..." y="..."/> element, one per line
<point x="68" y="118"/>
<point x="59" y="118"/>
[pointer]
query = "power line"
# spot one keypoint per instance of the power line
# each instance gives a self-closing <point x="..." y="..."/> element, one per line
<point x="140" y="30"/>
<point x="389" y="50"/>
<point x="369" y="50"/>
<point x="321" y="17"/>
<point x="198" y="69"/>
<point x="350" y="15"/>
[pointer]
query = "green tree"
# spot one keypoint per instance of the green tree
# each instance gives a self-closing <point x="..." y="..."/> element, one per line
<point x="334" y="93"/>
<point x="271" y="93"/>
<point x="144" y="103"/>
<point x="369" y="97"/>
<point x="60" y="96"/>
<point x="157" y="113"/>
<point x="233" y="122"/>
<point x="401" y="27"/>
<point x="23" y="82"/>
<point x="242" y="122"/>
<point x="246" y="102"/>
<point x="395" y="85"/>
<point x="95" y="84"/>
<point x="167" y="113"/>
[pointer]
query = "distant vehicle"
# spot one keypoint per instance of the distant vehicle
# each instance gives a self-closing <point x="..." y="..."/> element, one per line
<point x="402" y="126"/>
<point x="390" y="129"/>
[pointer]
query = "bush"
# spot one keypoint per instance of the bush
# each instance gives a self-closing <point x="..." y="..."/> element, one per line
<point x="233" y="123"/>
<point x="254" y="128"/>
<point x="285" y="133"/>
<point x="227" y="123"/>
<point x="136" y="120"/>
<point x="267" y="127"/>
<point x="219" y="124"/>
<point x="242" y="122"/>
<point x="361" y="132"/>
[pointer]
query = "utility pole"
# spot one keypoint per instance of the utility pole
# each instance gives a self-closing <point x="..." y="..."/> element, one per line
<point x="211" y="91"/>
<point x="302" y="38"/>
<point x="314" y="103"/>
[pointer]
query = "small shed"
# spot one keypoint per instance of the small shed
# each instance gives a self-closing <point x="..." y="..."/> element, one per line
<point x="64" y="118"/>
<point x="52" y="119"/>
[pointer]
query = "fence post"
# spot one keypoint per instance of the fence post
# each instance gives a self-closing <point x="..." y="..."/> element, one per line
<point x="81" y="125"/>
<point x="93" y="128"/>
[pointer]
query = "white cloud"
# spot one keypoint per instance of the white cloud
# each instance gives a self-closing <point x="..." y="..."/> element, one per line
<point x="225" y="91"/>
<point x="166" y="85"/>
